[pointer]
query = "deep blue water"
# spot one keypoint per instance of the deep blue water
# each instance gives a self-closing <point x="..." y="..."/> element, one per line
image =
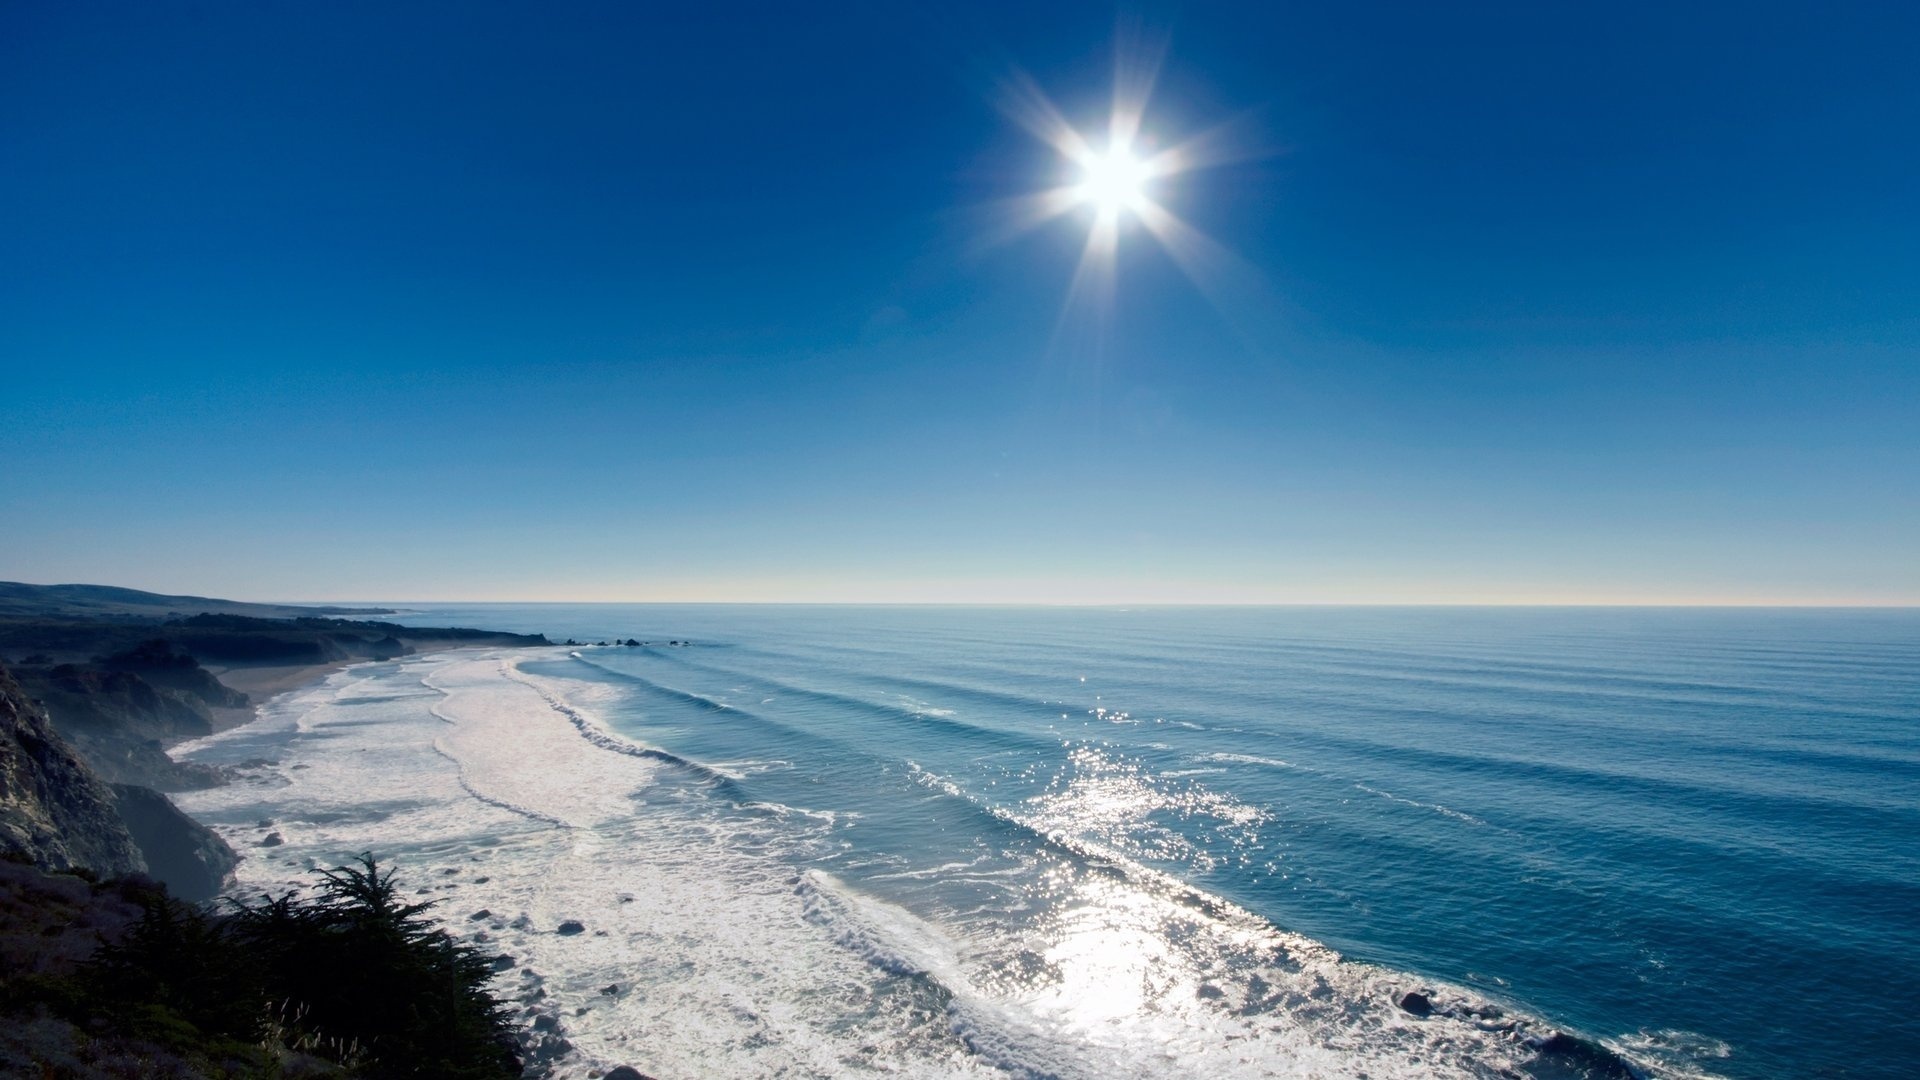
<point x="1688" y="833"/>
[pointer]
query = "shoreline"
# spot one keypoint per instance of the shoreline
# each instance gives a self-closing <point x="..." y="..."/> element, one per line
<point x="531" y="837"/>
<point x="265" y="683"/>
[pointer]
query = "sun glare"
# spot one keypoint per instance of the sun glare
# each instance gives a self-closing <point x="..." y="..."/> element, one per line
<point x="1113" y="181"/>
<point x="1119" y="178"/>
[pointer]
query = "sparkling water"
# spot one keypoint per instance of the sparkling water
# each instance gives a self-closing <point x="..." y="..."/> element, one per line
<point x="831" y="841"/>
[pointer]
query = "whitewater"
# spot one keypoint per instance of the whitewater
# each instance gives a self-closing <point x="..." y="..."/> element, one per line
<point x="977" y="842"/>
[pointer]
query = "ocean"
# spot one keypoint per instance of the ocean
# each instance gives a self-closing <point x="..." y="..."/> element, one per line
<point x="1159" y="842"/>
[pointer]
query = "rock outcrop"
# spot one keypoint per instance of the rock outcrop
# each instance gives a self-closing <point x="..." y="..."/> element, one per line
<point x="54" y="810"/>
<point x="58" y="813"/>
<point x="167" y="667"/>
<point x="119" y="721"/>
<point x="191" y="859"/>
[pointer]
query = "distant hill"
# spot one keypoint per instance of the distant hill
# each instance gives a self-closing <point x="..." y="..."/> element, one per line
<point x="112" y="602"/>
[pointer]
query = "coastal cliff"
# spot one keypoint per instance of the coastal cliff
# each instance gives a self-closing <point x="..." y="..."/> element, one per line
<point x="118" y="721"/>
<point x="191" y="859"/>
<point x="104" y="679"/>
<point x="54" y="810"/>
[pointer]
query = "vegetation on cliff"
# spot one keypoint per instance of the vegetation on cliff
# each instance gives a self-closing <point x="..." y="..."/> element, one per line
<point x="121" y="979"/>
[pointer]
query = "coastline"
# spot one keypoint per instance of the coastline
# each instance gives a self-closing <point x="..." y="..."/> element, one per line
<point x="266" y="683"/>
<point x="503" y="797"/>
<point x="263" y="684"/>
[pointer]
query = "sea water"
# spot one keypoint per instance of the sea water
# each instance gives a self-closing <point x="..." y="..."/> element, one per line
<point x="831" y="841"/>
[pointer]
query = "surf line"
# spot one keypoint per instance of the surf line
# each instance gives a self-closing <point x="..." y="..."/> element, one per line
<point x="460" y="769"/>
<point x="600" y="737"/>
<point x="466" y="785"/>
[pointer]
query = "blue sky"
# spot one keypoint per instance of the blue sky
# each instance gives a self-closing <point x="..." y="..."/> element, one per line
<point x="1534" y="303"/>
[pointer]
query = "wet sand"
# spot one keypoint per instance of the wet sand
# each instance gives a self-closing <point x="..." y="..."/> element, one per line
<point x="264" y="682"/>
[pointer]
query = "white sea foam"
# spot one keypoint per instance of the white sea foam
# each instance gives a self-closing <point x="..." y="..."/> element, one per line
<point x="728" y="951"/>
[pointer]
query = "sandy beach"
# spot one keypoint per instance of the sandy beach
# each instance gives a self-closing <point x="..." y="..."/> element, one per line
<point x="264" y="682"/>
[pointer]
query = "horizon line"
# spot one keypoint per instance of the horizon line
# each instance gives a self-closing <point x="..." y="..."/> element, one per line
<point x="1899" y="605"/>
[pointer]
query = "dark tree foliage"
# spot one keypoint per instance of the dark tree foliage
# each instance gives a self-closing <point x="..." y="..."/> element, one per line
<point x="360" y="965"/>
<point x="350" y="974"/>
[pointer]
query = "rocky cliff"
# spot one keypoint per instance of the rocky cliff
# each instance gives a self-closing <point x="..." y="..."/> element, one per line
<point x="119" y="722"/>
<point x="53" y="809"/>
<point x="190" y="858"/>
<point x="119" y="672"/>
<point x="56" y="811"/>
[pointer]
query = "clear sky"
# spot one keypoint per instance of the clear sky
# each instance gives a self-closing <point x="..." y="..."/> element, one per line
<point x="1527" y="303"/>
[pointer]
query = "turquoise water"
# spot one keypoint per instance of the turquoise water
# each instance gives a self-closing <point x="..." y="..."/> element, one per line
<point x="1689" y="835"/>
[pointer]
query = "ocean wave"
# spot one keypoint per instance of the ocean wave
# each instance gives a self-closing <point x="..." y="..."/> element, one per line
<point x="1245" y="759"/>
<point x="1094" y="963"/>
<point x="1297" y="993"/>
<point x="599" y="736"/>
<point x="1458" y="815"/>
<point x="886" y="712"/>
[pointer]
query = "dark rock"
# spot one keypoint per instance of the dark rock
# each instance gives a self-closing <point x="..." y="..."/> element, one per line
<point x="118" y="722"/>
<point x="272" y="839"/>
<point x="631" y="643"/>
<point x="610" y="989"/>
<point x="388" y="648"/>
<point x="540" y="1049"/>
<point x="483" y="913"/>
<point x="1561" y="1056"/>
<point x="504" y="963"/>
<point x="163" y="664"/>
<point x="53" y="808"/>
<point x="187" y="856"/>
<point x="570" y="928"/>
<point x="626" y="1072"/>
<point x="546" y="1022"/>
<point x="1417" y="1003"/>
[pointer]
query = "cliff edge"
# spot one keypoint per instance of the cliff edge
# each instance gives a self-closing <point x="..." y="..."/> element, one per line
<point x="53" y="809"/>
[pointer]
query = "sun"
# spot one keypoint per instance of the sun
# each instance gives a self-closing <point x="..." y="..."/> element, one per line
<point x="1120" y="180"/>
<point x="1113" y="181"/>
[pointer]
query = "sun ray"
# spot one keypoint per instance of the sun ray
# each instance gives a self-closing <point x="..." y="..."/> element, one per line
<point x="1205" y="261"/>
<point x="1010" y="219"/>
<point x="1226" y="143"/>
<point x="1090" y="294"/>
<point x="1022" y="100"/>
<point x="1117" y="180"/>
<point x="1137" y="56"/>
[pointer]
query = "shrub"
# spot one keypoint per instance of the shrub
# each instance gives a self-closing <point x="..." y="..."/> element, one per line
<point x="351" y="975"/>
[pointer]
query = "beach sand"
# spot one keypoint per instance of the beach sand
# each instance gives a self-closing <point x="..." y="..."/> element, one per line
<point x="264" y="682"/>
